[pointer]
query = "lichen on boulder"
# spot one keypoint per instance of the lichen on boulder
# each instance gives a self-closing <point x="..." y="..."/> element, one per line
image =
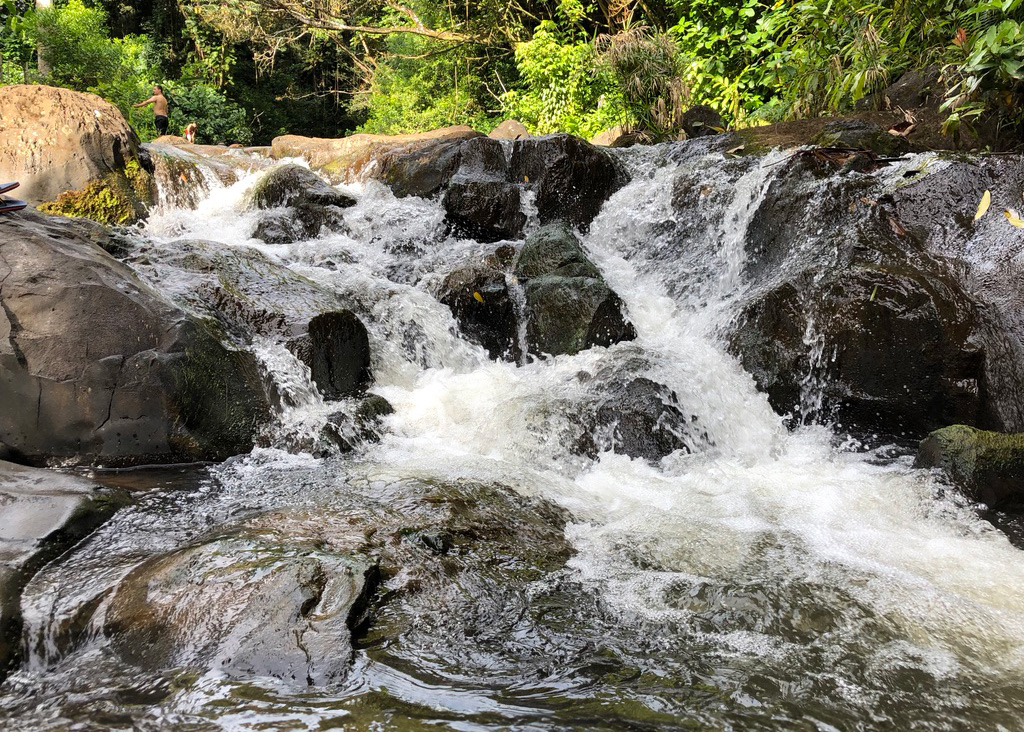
<point x="987" y="466"/>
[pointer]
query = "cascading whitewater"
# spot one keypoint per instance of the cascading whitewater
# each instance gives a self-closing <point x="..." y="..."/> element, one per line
<point x="764" y="580"/>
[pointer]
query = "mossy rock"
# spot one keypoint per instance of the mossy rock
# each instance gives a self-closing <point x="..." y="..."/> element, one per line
<point x="119" y="198"/>
<point x="988" y="466"/>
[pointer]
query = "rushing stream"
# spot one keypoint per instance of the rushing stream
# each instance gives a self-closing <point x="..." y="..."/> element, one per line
<point x="769" y="579"/>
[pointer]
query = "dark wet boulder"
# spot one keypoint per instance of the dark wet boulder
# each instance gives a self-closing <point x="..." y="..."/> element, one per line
<point x="485" y="210"/>
<point x="569" y="307"/>
<point x="554" y="250"/>
<point x="702" y="121"/>
<point x="291" y="185"/>
<point x="472" y="177"/>
<point x="283" y="609"/>
<point x="881" y="350"/>
<point x="311" y="204"/>
<point x="336" y="347"/>
<point x="482" y="304"/>
<point x="282" y="228"/>
<point x="572" y="179"/>
<point x="345" y="431"/>
<point x="858" y="134"/>
<point x="571" y="314"/>
<point x="987" y="466"/>
<point x="639" y="418"/>
<point x="97" y="367"/>
<point x="42" y="514"/>
<point x="422" y="171"/>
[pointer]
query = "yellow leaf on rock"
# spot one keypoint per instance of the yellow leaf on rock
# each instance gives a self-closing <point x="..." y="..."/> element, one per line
<point x="986" y="201"/>
<point x="1013" y="218"/>
<point x="478" y="297"/>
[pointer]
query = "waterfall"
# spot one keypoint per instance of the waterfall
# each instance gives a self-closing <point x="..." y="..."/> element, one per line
<point x="767" y="577"/>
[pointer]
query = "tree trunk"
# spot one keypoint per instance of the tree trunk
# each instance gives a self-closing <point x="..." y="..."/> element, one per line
<point x="43" y="65"/>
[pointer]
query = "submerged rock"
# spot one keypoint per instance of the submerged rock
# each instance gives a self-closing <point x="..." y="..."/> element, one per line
<point x="639" y="418"/>
<point x="569" y="307"/>
<point x="247" y="606"/>
<point x="42" y="514"/>
<point x="987" y="466"/>
<point x="97" y="367"/>
<point x="346" y="433"/>
<point x="285" y="594"/>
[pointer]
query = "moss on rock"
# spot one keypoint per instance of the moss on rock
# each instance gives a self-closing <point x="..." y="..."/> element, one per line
<point x="117" y="198"/>
<point x="988" y="466"/>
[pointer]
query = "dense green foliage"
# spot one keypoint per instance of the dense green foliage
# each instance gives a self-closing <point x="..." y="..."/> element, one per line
<point x="246" y="71"/>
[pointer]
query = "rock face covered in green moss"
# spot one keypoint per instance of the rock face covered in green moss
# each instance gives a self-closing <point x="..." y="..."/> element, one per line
<point x="988" y="466"/>
<point x="97" y="367"/>
<point x="119" y="198"/>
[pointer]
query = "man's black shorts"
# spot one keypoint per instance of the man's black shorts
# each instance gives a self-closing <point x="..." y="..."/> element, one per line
<point x="161" y="124"/>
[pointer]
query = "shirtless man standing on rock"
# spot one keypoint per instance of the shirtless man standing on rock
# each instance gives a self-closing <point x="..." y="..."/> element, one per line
<point x="159" y="102"/>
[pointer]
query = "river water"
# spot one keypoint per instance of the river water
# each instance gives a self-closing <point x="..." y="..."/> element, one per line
<point x="769" y="579"/>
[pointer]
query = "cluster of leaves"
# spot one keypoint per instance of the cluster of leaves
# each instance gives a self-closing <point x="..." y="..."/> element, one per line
<point x="562" y="89"/>
<point x="250" y="70"/>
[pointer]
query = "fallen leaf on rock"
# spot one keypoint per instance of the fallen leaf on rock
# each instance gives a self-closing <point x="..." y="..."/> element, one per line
<point x="986" y="201"/>
<point x="897" y="227"/>
<point x="1013" y="218"/>
<point x="478" y="297"/>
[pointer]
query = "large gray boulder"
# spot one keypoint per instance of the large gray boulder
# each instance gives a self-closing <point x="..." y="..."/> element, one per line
<point x="97" y="367"/>
<point x="58" y="140"/>
<point x="42" y="514"/>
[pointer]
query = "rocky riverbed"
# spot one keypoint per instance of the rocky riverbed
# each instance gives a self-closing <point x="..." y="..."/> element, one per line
<point x="517" y="434"/>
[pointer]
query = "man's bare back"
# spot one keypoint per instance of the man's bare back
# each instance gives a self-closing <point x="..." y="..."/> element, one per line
<point x="159" y="102"/>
